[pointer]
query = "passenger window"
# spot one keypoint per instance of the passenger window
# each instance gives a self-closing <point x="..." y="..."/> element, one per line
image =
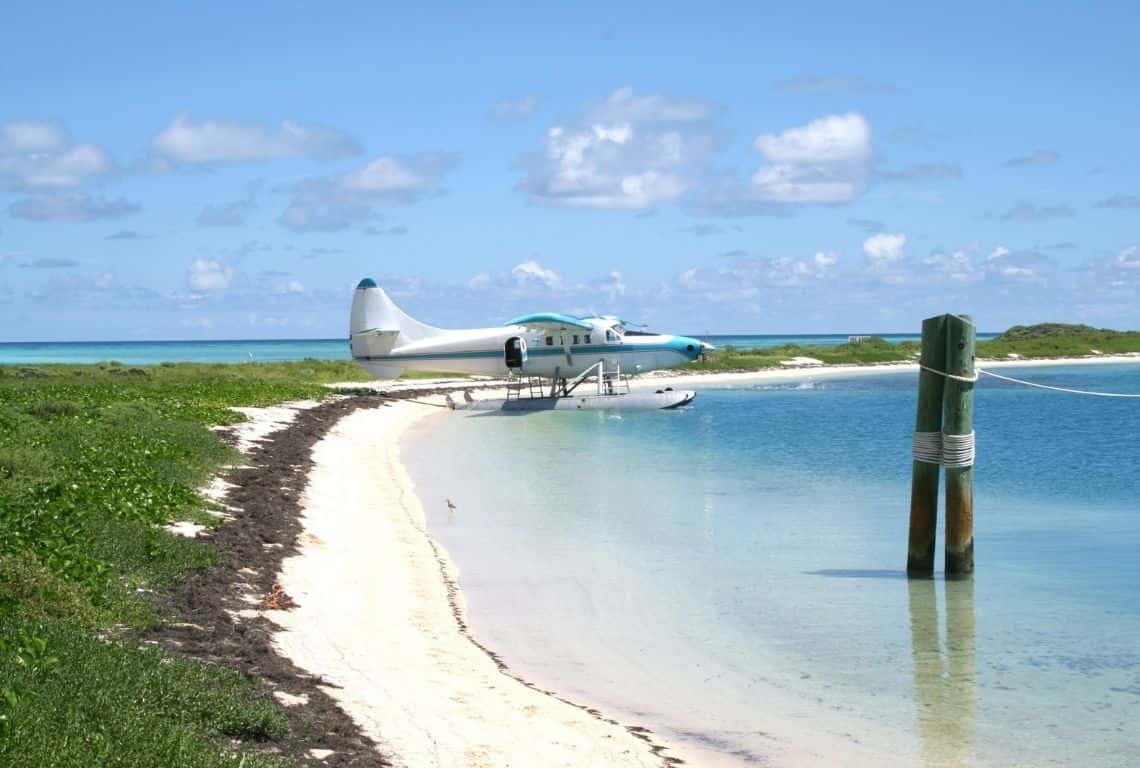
<point x="550" y="341"/>
<point x="611" y="336"/>
<point x="587" y="338"/>
<point x="575" y="338"/>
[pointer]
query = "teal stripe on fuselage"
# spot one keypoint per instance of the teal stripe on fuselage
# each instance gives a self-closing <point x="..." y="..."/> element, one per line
<point x="531" y="351"/>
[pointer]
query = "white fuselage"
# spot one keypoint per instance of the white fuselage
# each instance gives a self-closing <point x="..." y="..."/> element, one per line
<point x="549" y="354"/>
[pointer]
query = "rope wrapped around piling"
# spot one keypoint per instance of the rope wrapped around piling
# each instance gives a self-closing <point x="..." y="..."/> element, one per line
<point x="958" y="451"/>
<point x="927" y="447"/>
<point x="951" y="451"/>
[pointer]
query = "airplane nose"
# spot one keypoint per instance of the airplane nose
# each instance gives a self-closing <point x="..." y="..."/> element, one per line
<point x="690" y="347"/>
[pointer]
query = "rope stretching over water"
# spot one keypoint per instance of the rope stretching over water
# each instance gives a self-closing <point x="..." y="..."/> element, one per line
<point x="1056" y="389"/>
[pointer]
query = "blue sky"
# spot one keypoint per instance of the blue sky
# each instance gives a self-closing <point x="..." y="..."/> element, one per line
<point x="223" y="171"/>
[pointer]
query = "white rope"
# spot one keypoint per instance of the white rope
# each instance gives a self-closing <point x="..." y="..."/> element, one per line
<point x="951" y="451"/>
<point x="927" y="447"/>
<point x="958" y="451"/>
<point x="1056" y="389"/>
<point x="955" y="377"/>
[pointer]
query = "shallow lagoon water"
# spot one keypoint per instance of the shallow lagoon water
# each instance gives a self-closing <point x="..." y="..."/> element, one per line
<point x="730" y="575"/>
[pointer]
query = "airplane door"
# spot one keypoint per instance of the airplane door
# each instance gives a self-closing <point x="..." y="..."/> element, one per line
<point x="514" y="353"/>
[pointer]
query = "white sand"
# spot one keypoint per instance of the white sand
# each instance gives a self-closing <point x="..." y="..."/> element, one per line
<point x="377" y="618"/>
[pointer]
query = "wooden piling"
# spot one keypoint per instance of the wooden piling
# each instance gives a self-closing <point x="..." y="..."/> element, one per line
<point x="958" y="419"/>
<point x="924" y="475"/>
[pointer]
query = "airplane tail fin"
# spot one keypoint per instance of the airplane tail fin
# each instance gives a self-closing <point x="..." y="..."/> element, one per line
<point x="377" y="325"/>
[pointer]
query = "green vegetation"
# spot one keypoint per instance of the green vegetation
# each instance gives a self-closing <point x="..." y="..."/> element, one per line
<point x="870" y="350"/>
<point x="93" y="459"/>
<point x="1046" y="340"/>
<point x="1059" y="340"/>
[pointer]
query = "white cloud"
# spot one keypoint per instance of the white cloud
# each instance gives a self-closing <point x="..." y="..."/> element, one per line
<point x="232" y="214"/>
<point x="480" y="282"/>
<point x="104" y="280"/>
<point x="531" y="272"/>
<point x="73" y="206"/>
<point x="824" y="260"/>
<point x="955" y="265"/>
<point x="884" y="249"/>
<point x="825" y="161"/>
<point x="613" y="286"/>
<point x="1129" y="258"/>
<point x="37" y="155"/>
<point x="210" y="275"/>
<point x="333" y="203"/>
<point x="516" y="109"/>
<point x="630" y="151"/>
<point x="1004" y="264"/>
<point x="385" y="174"/>
<point x="185" y="142"/>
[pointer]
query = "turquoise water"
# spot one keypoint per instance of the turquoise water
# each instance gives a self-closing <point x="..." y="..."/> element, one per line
<point x="730" y="574"/>
<point x="152" y="352"/>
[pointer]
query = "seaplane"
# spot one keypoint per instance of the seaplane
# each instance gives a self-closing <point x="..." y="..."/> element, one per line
<point x="546" y="356"/>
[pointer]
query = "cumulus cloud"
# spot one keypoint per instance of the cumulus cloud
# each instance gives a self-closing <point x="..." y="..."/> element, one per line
<point x="921" y="172"/>
<point x="516" y="109"/>
<point x="957" y="265"/>
<point x="631" y="151"/>
<point x="50" y="263"/>
<point x="209" y="275"/>
<point x="1033" y="212"/>
<point x="1040" y="157"/>
<point x="531" y="272"/>
<point x="187" y="143"/>
<point x="834" y="84"/>
<point x="72" y="206"/>
<point x="884" y="249"/>
<point x="1121" y="202"/>
<point x="1024" y="266"/>
<point x="1128" y="258"/>
<point x="38" y="155"/>
<point x="746" y="277"/>
<point x="824" y="161"/>
<point x="333" y="203"/>
<point x="870" y="226"/>
<point x="124" y="234"/>
<point x="396" y="230"/>
<point x="232" y="214"/>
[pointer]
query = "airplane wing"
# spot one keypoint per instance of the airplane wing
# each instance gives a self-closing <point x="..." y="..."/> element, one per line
<point x="550" y="321"/>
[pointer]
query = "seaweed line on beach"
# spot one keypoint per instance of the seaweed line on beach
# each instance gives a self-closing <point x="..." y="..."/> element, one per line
<point x="220" y="612"/>
<point x="221" y="609"/>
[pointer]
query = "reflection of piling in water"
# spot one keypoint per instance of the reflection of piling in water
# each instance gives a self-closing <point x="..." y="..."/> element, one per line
<point x="944" y="678"/>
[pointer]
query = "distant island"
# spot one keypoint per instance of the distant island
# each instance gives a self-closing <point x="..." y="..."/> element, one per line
<point x="1020" y="341"/>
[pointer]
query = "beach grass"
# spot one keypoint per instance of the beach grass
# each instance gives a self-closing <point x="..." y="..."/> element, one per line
<point x="93" y="461"/>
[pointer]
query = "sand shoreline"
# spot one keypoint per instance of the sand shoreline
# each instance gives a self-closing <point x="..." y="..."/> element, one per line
<point x="381" y="619"/>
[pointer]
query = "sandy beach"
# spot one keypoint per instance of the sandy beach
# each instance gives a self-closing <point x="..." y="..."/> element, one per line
<point x="379" y="618"/>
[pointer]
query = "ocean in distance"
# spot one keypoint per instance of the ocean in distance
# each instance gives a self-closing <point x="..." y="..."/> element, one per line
<point x="240" y="351"/>
<point x="730" y="575"/>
